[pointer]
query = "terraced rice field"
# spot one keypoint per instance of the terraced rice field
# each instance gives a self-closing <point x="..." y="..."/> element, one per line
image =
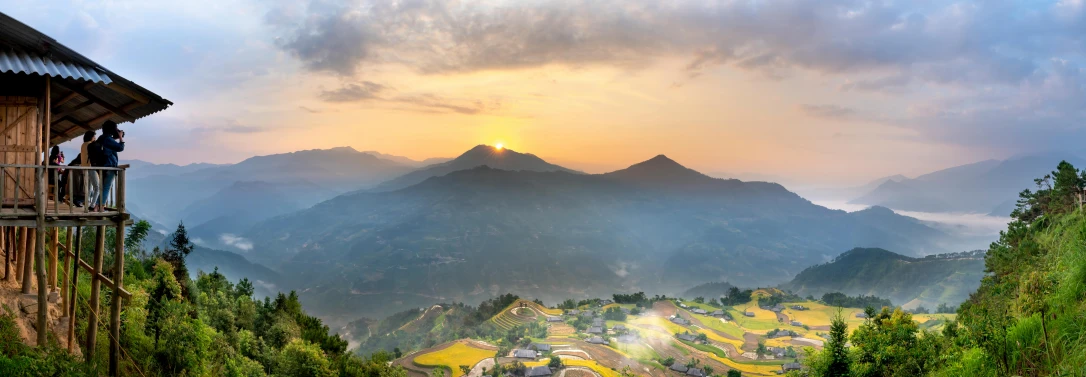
<point x="514" y="314"/>
<point x="452" y="357"/>
<point x="762" y="321"/>
<point x="590" y="364"/>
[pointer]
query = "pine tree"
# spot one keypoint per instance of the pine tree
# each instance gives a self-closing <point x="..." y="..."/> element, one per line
<point x="178" y="249"/>
<point x="839" y="361"/>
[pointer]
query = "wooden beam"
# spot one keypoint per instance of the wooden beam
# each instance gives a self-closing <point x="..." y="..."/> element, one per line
<point x="142" y="99"/>
<point x="61" y="114"/>
<point x="65" y="99"/>
<point x="105" y="281"/>
<point x="100" y="101"/>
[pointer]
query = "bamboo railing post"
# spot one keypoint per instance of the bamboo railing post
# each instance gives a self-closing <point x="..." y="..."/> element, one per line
<point x="74" y="290"/>
<point x="96" y="287"/>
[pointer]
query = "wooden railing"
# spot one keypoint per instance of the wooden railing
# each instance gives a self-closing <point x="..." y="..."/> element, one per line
<point x="71" y="191"/>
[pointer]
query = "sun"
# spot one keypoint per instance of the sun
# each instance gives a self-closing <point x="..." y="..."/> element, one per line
<point x="499" y="146"/>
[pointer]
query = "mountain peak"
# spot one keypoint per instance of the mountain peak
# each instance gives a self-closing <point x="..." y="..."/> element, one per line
<point x="660" y="169"/>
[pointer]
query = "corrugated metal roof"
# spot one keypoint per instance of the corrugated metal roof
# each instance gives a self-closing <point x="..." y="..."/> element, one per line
<point x="21" y="62"/>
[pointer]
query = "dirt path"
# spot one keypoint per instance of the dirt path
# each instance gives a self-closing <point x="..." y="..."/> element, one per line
<point x="783" y="318"/>
<point x="477" y="370"/>
<point x="664" y="308"/>
<point x="579" y="370"/>
<point x="750" y="341"/>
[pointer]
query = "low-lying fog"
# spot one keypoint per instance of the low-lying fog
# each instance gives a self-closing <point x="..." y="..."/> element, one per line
<point x="976" y="230"/>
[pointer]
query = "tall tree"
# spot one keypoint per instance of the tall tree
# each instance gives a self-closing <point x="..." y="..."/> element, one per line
<point x="175" y="254"/>
<point x="835" y="347"/>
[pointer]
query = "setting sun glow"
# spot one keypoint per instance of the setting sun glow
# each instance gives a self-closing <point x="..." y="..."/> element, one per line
<point x="499" y="146"/>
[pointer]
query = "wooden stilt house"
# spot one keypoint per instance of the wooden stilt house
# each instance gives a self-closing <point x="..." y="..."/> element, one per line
<point x="50" y="94"/>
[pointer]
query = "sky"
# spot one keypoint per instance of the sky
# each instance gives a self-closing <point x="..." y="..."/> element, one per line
<point x="826" y="91"/>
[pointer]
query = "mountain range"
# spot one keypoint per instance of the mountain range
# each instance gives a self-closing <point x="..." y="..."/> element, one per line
<point x="985" y="187"/>
<point x="470" y="234"/>
<point x="906" y="281"/>
<point x="505" y="159"/>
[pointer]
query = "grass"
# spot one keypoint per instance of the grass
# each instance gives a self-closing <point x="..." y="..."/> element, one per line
<point x="452" y="357"/>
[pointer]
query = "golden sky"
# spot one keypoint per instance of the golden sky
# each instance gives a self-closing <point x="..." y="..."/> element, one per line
<point x="817" y="92"/>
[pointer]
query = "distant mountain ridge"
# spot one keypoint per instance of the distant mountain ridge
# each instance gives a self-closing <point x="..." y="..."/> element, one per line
<point x="468" y="234"/>
<point x="985" y="187"/>
<point x="907" y="281"/>
<point x="408" y="161"/>
<point x="217" y="199"/>
<point x="505" y="159"/>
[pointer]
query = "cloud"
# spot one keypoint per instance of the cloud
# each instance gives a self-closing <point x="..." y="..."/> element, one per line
<point x="353" y="92"/>
<point x="425" y="102"/>
<point x="241" y="243"/>
<point x="827" y="111"/>
<point x="931" y="40"/>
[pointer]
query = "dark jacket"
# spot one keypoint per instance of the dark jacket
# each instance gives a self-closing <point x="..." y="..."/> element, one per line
<point x="110" y="148"/>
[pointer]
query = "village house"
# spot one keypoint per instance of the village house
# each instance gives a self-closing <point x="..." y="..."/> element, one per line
<point x="777" y="352"/>
<point x="695" y="372"/>
<point x="686" y="337"/>
<point x="748" y="314"/>
<point x="699" y="311"/>
<point x="788" y="367"/>
<point x="554" y="319"/>
<point x="595" y="330"/>
<point x="679" y="320"/>
<point x="797" y="323"/>
<point x="619" y="327"/>
<point x="539" y="371"/>
<point x="718" y="313"/>
<point x="606" y="302"/>
<point x="524" y="354"/>
<point x="574" y="312"/>
<point x="799" y="307"/>
<point x="540" y="347"/>
<point x="861" y="315"/>
<point x="679" y="368"/>
<point x="597" y="340"/>
<point x="783" y="334"/>
<point x="597" y="322"/>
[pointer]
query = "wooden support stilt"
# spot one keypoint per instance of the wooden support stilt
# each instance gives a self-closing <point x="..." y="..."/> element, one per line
<point x="53" y="261"/>
<point x="28" y="258"/>
<point x="20" y="253"/>
<point x="115" y="312"/>
<point x="7" y="250"/>
<point x="67" y="272"/>
<point x="39" y="229"/>
<point x="96" y="288"/>
<point x="74" y="290"/>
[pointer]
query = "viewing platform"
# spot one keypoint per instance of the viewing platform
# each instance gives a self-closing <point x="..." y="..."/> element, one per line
<point x="19" y="205"/>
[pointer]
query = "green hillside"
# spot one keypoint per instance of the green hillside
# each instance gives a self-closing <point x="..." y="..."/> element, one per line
<point x="1026" y="318"/>
<point x="908" y="282"/>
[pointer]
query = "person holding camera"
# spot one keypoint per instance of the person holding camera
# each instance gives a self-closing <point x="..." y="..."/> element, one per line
<point x="111" y="142"/>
